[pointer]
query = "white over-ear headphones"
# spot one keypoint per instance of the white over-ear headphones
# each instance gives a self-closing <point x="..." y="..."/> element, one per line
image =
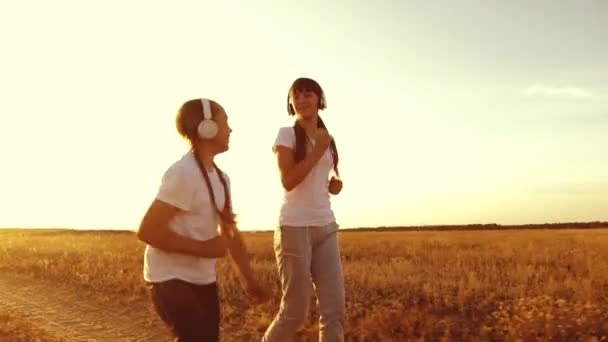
<point x="207" y="128"/>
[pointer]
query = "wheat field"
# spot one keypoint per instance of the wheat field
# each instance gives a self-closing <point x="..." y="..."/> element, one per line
<point x="400" y="286"/>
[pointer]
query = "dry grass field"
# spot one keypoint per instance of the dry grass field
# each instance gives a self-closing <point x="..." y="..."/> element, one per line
<point x="400" y="286"/>
<point x="15" y="329"/>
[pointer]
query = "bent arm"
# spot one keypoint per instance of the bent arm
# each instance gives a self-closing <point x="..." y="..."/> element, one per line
<point x="293" y="173"/>
<point x="154" y="231"/>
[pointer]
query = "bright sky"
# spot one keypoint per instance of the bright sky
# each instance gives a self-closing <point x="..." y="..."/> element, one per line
<point x="444" y="112"/>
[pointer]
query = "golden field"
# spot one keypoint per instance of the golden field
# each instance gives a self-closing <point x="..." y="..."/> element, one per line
<point x="501" y="285"/>
<point x="15" y="329"/>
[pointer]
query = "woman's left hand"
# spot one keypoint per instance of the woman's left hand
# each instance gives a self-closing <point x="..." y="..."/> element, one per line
<point x="335" y="186"/>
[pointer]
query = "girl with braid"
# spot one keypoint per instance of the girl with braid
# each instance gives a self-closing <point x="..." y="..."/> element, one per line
<point x="180" y="229"/>
<point x="305" y="242"/>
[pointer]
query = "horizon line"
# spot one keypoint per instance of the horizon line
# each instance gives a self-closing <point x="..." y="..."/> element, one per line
<point x="596" y="223"/>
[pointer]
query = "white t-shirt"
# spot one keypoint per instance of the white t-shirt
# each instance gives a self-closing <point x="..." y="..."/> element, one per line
<point x="184" y="187"/>
<point x="308" y="204"/>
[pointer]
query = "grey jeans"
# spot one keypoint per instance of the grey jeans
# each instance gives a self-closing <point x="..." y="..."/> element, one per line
<point x="308" y="256"/>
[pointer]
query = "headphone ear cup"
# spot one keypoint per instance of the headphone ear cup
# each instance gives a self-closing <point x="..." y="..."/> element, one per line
<point x="207" y="129"/>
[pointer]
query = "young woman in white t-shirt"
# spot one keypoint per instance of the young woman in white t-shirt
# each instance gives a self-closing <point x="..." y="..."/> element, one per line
<point x="305" y="242"/>
<point x="180" y="229"/>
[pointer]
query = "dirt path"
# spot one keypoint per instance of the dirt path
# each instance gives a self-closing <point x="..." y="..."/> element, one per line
<point x="67" y="313"/>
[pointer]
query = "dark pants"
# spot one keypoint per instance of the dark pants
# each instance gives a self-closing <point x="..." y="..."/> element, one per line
<point x="191" y="311"/>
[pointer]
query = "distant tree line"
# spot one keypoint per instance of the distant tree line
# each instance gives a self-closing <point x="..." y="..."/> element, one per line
<point x="489" y="226"/>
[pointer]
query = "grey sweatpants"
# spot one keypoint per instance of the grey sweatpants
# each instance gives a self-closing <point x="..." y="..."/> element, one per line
<point x="308" y="256"/>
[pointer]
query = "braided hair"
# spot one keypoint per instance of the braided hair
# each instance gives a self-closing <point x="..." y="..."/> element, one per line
<point x="226" y="215"/>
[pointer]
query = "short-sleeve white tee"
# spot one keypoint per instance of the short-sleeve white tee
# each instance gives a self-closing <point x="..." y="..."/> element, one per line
<point x="308" y="204"/>
<point x="184" y="187"/>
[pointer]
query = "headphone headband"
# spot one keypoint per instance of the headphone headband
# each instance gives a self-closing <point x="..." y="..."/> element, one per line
<point x="206" y="109"/>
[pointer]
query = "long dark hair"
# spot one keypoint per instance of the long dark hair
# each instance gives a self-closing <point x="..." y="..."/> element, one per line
<point x="308" y="84"/>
